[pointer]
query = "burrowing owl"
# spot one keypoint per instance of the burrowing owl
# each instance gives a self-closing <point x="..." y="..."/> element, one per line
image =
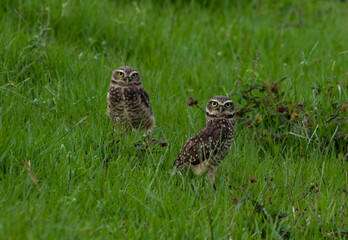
<point x="128" y="102"/>
<point x="204" y="152"/>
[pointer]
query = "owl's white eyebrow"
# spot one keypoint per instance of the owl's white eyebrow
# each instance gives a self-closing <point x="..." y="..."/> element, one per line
<point x="222" y="103"/>
<point x="228" y="102"/>
<point x="121" y="71"/>
<point x="133" y="72"/>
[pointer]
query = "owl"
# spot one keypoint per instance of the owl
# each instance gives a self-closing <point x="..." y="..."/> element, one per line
<point x="128" y="102"/>
<point x="204" y="152"/>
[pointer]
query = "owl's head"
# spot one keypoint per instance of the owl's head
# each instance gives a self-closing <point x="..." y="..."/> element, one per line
<point x="220" y="107"/>
<point x="126" y="76"/>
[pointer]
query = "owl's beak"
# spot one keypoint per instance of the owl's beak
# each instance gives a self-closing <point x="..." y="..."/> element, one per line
<point x="220" y="109"/>
<point x="127" y="80"/>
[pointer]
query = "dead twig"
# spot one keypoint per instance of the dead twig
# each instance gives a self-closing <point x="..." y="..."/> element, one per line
<point x="271" y="188"/>
<point x="31" y="173"/>
<point x="260" y="207"/>
<point x="193" y="102"/>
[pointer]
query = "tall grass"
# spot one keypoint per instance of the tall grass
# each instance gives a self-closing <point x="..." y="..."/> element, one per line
<point x="66" y="174"/>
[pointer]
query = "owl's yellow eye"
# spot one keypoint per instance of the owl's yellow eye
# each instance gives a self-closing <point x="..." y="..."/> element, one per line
<point x="228" y="105"/>
<point x="120" y="74"/>
<point x="214" y="104"/>
<point x="134" y="75"/>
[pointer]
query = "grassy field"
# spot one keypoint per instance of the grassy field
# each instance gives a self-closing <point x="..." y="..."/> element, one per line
<point x="65" y="173"/>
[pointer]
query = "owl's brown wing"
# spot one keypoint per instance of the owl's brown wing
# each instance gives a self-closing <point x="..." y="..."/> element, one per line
<point x="199" y="148"/>
<point x="145" y="99"/>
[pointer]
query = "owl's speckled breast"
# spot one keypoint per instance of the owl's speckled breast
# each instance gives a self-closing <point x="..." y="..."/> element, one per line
<point x="125" y="103"/>
<point x="130" y="95"/>
<point x="115" y="94"/>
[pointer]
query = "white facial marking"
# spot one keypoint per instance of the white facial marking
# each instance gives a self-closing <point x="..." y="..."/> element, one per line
<point x="133" y="72"/>
<point x="219" y="102"/>
<point x="229" y="101"/>
<point x="125" y="74"/>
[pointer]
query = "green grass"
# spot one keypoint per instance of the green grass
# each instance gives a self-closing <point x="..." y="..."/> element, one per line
<point x="56" y="62"/>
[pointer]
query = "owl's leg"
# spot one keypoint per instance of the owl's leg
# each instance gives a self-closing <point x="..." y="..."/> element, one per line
<point x="200" y="168"/>
<point x="123" y="128"/>
<point x="116" y="121"/>
<point x="211" y="176"/>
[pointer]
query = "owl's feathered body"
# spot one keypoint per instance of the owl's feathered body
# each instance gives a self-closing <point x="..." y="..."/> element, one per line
<point x="204" y="152"/>
<point x="128" y="101"/>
